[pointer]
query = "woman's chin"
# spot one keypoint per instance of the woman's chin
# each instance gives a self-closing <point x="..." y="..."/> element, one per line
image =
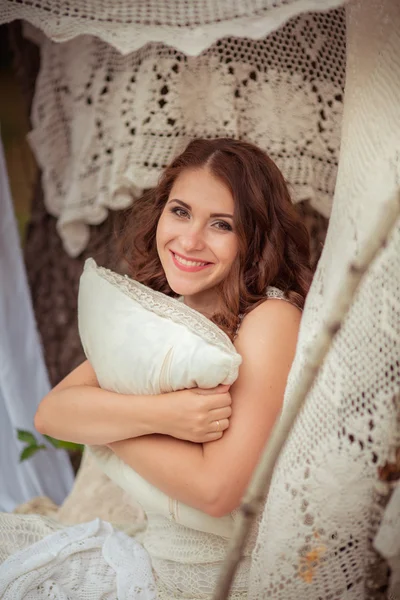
<point x="184" y="288"/>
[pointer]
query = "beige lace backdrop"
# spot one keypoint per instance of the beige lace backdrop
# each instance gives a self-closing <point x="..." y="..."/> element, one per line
<point x="191" y="27"/>
<point x="105" y="125"/>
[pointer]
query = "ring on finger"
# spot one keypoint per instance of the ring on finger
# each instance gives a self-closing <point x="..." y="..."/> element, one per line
<point x="218" y="426"/>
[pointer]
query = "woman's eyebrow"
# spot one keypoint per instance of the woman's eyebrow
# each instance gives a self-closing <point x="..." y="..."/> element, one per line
<point x="226" y="215"/>
<point x="181" y="202"/>
<point x="213" y="215"/>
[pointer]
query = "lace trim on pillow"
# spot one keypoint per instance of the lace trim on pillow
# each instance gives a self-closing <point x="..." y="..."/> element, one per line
<point x="165" y="306"/>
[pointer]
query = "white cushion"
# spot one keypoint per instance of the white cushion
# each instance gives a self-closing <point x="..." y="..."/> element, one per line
<point x="142" y="342"/>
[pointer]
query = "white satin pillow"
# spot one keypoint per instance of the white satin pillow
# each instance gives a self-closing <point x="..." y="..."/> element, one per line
<point x="142" y="342"/>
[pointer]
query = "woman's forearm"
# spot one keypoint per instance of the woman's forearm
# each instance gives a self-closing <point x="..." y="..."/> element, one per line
<point x="184" y="475"/>
<point x="78" y="410"/>
<point x="90" y="415"/>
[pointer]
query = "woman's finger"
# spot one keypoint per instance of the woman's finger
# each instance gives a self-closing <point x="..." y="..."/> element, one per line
<point x="220" y="413"/>
<point x="220" y="389"/>
<point x="219" y="425"/>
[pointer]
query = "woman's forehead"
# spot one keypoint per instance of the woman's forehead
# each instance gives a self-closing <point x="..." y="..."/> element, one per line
<point x="200" y="189"/>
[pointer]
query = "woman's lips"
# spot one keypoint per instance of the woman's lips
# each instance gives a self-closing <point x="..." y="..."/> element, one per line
<point x="177" y="260"/>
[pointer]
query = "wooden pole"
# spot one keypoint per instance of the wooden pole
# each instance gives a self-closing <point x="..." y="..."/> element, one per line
<point x="257" y="491"/>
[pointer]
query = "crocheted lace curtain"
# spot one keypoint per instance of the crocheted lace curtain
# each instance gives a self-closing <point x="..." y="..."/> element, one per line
<point x="189" y="26"/>
<point x="325" y="515"/>
<point x="104" y="124"/>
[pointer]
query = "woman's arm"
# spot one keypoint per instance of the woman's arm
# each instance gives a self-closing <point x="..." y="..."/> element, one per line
<point x="78" y="410"/>
<point x="213" y="477"/>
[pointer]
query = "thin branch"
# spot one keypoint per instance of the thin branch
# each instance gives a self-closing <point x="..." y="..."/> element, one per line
<point x="257" y="491"/>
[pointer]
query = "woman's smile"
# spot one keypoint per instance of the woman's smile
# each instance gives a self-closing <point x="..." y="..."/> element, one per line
<point x="190" y="265"/>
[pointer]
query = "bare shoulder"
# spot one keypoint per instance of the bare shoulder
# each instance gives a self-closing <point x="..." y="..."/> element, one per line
<point x="266" y="341"/>
<point x="271" y="321"/>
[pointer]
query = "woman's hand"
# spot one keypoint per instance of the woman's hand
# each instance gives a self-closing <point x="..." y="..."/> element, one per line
<point x="197" y="415"/>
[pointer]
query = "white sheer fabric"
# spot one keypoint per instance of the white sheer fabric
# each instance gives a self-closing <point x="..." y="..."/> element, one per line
<point x="105" y="125"/>
<point x="328" y="493"/>
<point x="188" y="26"/>
<point x="23" y="377"/>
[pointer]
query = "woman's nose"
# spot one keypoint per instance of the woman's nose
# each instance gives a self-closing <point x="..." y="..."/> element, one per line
<point x="192" y="240"/>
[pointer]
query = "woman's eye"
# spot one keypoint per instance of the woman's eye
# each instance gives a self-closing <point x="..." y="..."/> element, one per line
<point x="179" y="212"/>
<point x="223" y="225"/>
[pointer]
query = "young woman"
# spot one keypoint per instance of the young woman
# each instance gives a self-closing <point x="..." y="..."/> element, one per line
<point x="220" y="231"/>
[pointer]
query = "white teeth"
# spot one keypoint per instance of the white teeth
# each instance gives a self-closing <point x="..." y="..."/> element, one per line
<point x="189" y="263"/>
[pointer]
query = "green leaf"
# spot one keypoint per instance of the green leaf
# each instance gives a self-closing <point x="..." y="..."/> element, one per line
<point x="64" y="444"/>
<point x="70" y="446"/>
<point x="52" y="441"/>
<point x="30" y="451"/>
<point x="27" y="437"/>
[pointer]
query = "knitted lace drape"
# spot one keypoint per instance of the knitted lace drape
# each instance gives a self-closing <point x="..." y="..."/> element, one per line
<point x="333" y="479"/>
<point x="104" y="124"/>
<point x="190" y="27"/>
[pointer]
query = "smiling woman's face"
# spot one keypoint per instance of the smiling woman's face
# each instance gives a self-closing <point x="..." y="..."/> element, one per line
<point x="196" y="241"/>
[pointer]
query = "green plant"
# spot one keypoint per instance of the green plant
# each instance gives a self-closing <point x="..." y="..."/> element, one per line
<point x="32" y="446"/>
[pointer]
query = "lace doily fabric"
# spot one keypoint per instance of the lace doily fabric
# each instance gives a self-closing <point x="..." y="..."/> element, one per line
<point x="105" y="125"/>
<point x="388" y="544"/>
<point x="190" y="27"/>
<point x="329" y="489"/>
<point x="84" y="562"/>
<point x="187" y="562"/>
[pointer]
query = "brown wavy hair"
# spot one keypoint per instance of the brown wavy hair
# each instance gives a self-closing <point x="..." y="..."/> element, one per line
<point x="274" y="247"/>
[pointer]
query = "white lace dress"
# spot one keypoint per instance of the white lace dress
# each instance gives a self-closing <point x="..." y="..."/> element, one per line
<point x="41" y="559"/>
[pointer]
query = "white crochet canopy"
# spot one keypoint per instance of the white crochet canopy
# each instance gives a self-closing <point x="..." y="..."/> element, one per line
<point x="104" y="125"/>
<point x="190" y="27"/>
